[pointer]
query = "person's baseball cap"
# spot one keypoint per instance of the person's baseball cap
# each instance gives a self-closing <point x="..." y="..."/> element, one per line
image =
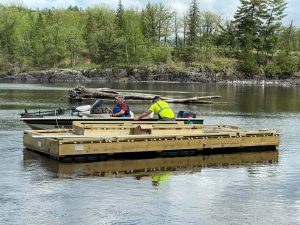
<point x="156" y="97"/>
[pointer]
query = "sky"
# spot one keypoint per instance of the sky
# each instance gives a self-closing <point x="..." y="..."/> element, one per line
<point x="226" y="8"/>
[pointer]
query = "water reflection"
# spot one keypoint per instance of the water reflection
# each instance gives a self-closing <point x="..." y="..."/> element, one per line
<point x="156" y="169"/>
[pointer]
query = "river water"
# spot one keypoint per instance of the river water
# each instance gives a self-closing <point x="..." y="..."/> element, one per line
<point x="240" y="188"/>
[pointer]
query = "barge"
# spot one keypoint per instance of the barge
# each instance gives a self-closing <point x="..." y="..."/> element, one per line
<point x="95" y="140"/>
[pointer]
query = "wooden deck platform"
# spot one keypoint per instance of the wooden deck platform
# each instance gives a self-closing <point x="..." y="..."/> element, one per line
<point x="94" y="139"/>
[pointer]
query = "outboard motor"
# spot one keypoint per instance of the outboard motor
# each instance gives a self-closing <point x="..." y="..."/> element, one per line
<point x="97" y="107"/>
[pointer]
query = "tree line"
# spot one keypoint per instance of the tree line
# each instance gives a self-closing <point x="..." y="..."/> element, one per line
<point x="254" y="41"/>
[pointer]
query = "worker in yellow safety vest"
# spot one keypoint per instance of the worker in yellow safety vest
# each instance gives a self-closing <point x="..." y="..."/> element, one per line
<point x="159" y="107"/>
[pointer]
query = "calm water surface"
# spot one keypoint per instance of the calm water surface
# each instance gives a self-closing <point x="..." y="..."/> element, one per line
<point x="242" y="188"/>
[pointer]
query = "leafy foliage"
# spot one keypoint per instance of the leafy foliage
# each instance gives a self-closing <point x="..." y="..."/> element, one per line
<point x="102" y="37"/>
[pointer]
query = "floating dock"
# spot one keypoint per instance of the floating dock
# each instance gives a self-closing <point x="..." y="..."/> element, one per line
<point x="94" y="140"/>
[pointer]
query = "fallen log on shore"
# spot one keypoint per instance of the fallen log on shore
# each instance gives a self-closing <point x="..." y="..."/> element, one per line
<point x="81" y="93"/>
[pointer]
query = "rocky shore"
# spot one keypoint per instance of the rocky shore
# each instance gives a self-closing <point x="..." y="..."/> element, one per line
<point x="48" y="76"/>
<point x="196" y="75"/>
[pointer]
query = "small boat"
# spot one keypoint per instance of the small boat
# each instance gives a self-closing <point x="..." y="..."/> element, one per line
<point x="63" y="119"/>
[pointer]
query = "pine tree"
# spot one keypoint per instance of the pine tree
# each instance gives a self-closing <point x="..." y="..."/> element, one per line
<point x="120" y="16"/>
<point x="102" y="37"/>
<point x="192" y="46"/>
<point x="249" y="22"/>
<point x="247" y="60"/>
<point x="227" y="38"/>
<point x="193" y="24"/>
<point x="274" y="15"/>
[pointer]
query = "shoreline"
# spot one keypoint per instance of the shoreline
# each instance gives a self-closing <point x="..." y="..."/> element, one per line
<point x="142" y="76"/>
